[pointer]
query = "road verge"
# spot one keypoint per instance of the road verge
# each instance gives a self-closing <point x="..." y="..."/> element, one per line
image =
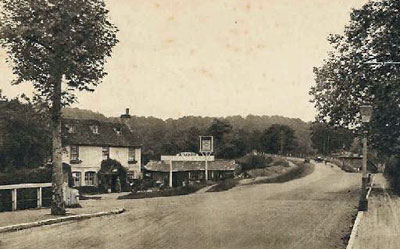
<point x="357" y="221"/>
<point x="22" y="226"/>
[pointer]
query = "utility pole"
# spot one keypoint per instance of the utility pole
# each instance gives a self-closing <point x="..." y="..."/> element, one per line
<point x="366" y="113"/>
<point x="170" y="173"/>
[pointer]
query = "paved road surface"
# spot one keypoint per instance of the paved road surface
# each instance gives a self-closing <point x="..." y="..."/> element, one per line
<point x="311" y="212"/>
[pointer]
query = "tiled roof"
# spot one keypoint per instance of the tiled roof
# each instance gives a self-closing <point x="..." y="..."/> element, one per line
<point x="190" y="165"/>
<point x="82" y="133"/>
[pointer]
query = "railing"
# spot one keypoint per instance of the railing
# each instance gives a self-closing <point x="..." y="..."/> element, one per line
<point x="14" y="188"/>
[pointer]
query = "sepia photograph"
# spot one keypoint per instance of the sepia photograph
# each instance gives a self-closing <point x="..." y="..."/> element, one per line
<point x="200" y="124"/>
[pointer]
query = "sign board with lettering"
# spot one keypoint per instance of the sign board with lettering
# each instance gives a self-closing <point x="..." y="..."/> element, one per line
<point x="206" y="144"/>
<point x="187" y="158"/>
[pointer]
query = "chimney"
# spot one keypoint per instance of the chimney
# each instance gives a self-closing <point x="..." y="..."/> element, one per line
<point x="126" y="115"/>
<point x="125" y="119"/>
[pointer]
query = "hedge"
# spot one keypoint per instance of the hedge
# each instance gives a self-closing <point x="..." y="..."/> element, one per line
<point x="392" y="173"/>
<point x="254" y="162"/>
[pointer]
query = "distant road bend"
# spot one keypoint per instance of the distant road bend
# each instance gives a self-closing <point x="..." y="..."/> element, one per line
<point x="311" y="212"/>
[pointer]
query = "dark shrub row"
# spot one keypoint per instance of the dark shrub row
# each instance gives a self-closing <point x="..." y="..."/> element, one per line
<point x="39" y="175"/>
<point x="392" y="173"/>
<point x="254" y="162"/>
<point x="184" y="190"/>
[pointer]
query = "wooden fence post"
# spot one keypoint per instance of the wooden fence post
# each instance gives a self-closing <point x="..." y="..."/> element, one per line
<point x="14" y="199"/>
<point x="39" y="197"/>
<point x="14" y="192"/>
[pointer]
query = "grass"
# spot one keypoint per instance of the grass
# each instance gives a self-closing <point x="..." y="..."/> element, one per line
<point x="344" y="166"/>
<point x="166" y="192"/>
<point x="301" y="170"/>
<point x="280" y="162"/>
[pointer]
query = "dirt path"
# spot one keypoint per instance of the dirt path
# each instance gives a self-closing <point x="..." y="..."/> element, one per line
<point x="310" y="212"/>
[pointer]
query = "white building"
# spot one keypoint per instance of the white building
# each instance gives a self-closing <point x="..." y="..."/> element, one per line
<point x="88" y="142"/>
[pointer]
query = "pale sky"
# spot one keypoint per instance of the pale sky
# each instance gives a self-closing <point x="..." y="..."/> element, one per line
<point x="212" y="57"/>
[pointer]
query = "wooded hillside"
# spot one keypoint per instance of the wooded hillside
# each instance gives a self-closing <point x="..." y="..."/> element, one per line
<point x="175" y="135"/>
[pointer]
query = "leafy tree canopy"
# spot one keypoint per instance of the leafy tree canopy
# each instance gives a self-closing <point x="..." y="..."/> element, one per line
<point x="326" y="139"/>
<point x="347" y="79"/>
<point x="51" y="41"/>
<point x="278" y="139"/>
<point x="25" y="140"/>
<point x="46" y="39"/>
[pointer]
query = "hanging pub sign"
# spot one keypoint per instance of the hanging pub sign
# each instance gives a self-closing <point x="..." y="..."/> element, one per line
<point x="206" y="144"/>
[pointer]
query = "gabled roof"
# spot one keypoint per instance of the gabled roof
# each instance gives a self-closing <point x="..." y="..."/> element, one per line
<point x="162" y="166"/>
<point x="107" y="135"/>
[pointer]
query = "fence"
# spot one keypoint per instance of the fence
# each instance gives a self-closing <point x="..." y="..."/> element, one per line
<point x="17" y="188"/>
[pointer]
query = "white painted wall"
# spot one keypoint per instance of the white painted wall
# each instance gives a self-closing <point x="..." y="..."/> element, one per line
<point x="138" y="157"/>
<point x="91" y="157"/>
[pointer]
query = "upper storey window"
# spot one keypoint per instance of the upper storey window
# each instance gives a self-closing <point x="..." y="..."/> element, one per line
<point x="70" y="128"/>
<point x="95" y="129"/>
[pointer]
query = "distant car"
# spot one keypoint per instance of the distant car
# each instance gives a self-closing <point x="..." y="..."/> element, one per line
<point x="319" y="159"/>
<point x="187" y="154"/>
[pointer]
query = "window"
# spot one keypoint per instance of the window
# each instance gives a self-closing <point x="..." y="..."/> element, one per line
<point x="95" y="129"/>
<point x="131" y="156"/>
<point x="74" y="157"/>
<point x="76" y="176"/>
<point x="106" y="153"/>
<point x="89" y="178"/>
<point x="70" y="128"/>
<point x="118" y="130"/>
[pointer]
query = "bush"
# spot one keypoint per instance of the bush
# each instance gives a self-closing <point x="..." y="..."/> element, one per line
<point x="185" y="190"/>
<point x="254" y="162"/>
<point x="392" y="173"/>
<point x="144" y="184"/>
<point x="105" y="175"/>
<point x="39" y="175"/>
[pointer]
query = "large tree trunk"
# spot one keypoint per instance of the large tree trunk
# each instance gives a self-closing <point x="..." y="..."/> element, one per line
<point x="57" y="205"/>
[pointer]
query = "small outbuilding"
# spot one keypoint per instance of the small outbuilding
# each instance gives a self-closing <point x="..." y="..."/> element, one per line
<point x="186" y="171"/>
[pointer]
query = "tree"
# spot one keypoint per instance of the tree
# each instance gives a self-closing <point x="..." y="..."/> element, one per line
<point x="327" y="139"/>
<point x="53" y="41"/>
<point x="345" y="81"/>
<point x="218" y="129"/>
<point x="278" y="139"/>
<point x="234" y="144"/>
<point x="25" y="137"/>
<point x="191" y="138"/>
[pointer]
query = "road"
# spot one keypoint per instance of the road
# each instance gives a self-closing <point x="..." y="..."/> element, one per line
<point x="311" y="212"/>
